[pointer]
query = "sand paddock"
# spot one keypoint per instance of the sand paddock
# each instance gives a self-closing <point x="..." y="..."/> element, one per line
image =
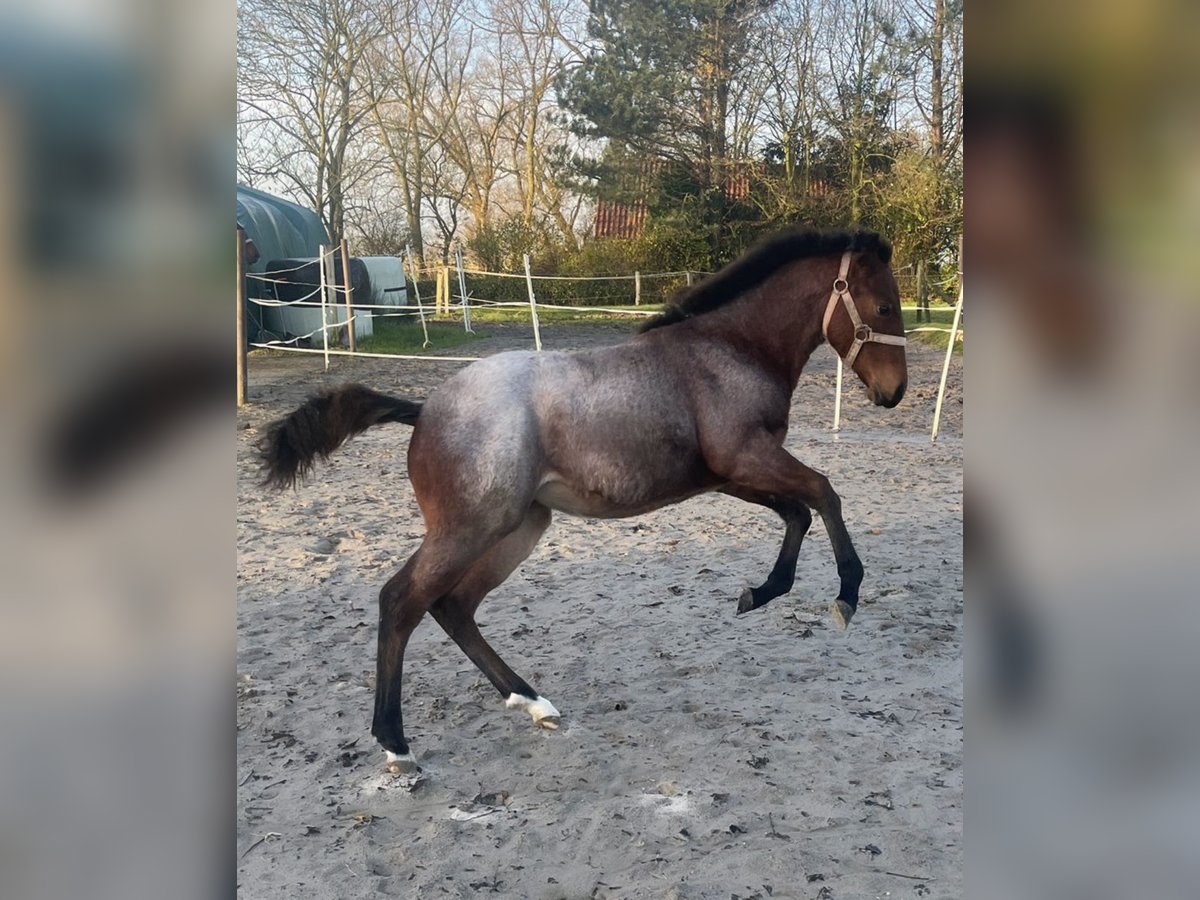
<point x="701" y="755"/>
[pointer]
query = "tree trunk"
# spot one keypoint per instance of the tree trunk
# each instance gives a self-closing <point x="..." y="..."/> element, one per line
<point x="937" y="138"/>
<point x="923" y="314"/>
<point x="414" y="199"/>
<point x="530" y="175"/>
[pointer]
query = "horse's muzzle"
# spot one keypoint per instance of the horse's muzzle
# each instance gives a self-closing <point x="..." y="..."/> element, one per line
<point x="888" y="399"/>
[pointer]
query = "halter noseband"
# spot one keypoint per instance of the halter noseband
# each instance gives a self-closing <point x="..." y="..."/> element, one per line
<point x="862" y="331"/>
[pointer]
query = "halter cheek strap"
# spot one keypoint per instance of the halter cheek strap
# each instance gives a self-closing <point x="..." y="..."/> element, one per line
<point x="862" y="331"/>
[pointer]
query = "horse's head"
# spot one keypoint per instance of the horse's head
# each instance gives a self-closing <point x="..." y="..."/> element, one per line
<point x="863" y="325"/>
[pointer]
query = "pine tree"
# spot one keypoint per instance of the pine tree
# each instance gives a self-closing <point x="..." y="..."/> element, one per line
<point x="657" y="88"/>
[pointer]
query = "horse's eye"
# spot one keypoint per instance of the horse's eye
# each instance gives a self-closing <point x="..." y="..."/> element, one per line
<point x="885" y="310"/>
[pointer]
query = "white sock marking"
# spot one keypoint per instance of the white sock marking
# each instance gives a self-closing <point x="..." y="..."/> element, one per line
<point x="539" y="709"/>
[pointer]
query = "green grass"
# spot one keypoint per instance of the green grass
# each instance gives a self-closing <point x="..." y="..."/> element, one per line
<point x="405" y="336"/>
<point x="520" y="315"/>
<point x="942" y="317"/>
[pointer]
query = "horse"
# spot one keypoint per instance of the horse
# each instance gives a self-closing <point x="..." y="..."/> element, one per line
<point x="697" y="401"/>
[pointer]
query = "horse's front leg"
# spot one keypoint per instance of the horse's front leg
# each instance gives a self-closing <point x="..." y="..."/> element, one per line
<point x="761" y="465"/>
<point x="796" y="518"/>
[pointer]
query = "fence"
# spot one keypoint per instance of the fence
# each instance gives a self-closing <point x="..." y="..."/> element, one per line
<point x="918" y="285"/>
<point x="479" y="290"/>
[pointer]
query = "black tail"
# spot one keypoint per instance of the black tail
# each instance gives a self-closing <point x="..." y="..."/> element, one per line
<point x="291" y="446"/>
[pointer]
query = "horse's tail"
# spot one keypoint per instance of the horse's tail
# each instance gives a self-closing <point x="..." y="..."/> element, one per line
<point x="291" y="445"/>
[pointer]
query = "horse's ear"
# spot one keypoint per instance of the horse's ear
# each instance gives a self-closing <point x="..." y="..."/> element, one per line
<point x="871" y="242"/>
<point x="884" y="249"/>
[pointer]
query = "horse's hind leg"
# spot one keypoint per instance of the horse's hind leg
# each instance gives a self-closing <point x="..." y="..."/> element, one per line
<point x="797" y="518"/>
<point x="455" y="612"/>
<point x="432" y="571"/>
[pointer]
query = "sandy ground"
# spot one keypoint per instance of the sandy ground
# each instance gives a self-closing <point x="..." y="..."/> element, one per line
<point x="700" y="756"/>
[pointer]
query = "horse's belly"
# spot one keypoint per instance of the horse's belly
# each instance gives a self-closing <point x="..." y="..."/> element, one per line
<point x="560" y="496"/>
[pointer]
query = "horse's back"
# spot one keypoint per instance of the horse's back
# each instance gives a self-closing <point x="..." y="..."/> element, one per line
<point x="606" y="432"/>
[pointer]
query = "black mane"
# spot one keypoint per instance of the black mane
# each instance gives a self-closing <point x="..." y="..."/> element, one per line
<point x="759" y="262"/>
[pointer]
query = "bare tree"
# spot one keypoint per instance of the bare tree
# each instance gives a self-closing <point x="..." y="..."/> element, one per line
<point x="787" y="52"/>
<point x="416" y="74"/>
<point x="857" y="90"/>
<point x="301" y="98"/>
<point x="376" y="220"/>
<point x="414" y="121"/>
<point x="445" y="190"/>
<point x="535" y="44"/>
<point x="473" y="136"/>
<point x="935" y="36"/>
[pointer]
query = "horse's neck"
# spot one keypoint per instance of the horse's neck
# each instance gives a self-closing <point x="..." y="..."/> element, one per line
<point x="781" y="328"/>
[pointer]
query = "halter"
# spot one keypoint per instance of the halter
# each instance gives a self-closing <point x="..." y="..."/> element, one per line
<point x="862" y="331"/>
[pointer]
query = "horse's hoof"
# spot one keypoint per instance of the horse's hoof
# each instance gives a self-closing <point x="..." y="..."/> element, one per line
<point x="541" y="710"/>
<point x="401" y="763"/>
<point x="843" y="612"/>
<point x="746" y="601"/>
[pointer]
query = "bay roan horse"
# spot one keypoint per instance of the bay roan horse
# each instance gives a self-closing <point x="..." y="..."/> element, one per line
<point x="698" y="401"/>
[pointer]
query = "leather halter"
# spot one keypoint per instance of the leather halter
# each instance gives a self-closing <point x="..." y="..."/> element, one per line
<point x="862" y="331"/>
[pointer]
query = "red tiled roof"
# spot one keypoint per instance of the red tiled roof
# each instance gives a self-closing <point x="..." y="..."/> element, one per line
<point x="617" y="219"/>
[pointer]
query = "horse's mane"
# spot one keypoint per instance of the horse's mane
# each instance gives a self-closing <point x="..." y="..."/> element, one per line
<point x="759" y="262"/>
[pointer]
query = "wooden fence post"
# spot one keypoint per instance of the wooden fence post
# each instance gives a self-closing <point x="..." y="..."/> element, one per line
<point x="241" y="317"/>
<point x="637" y="288"/>
<point x="923" y="313"/>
